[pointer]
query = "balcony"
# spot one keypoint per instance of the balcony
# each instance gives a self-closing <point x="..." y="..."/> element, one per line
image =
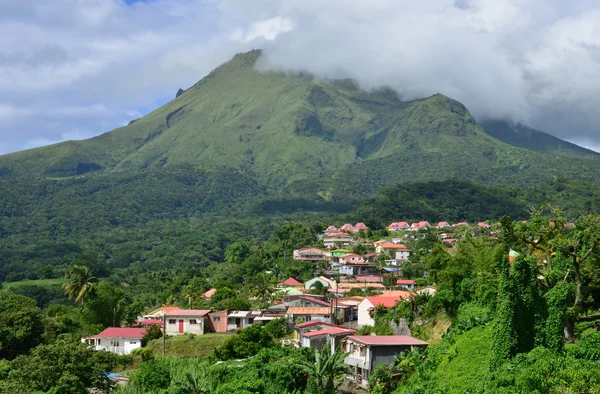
<point x="357" y="362"/>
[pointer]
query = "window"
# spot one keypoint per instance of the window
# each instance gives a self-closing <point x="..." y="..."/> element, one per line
<point x="251" y="321"/>
<point x="193" y="321"/>
<point x="99" y="340"/>
<point x="172" y="321"/>
<point x="217" y="318"/>
<point x="133" y="343"/>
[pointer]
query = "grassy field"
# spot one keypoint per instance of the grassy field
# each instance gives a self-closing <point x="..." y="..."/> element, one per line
<point x="38" y="282"/>
<point x="189" y="346"/>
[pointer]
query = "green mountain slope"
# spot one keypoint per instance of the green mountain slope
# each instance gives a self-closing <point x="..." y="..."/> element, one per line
<point x="525" y="137"/>
<point x="299" y="134"/>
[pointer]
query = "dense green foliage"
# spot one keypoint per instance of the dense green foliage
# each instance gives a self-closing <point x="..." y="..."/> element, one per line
<point x="61" y="367"/>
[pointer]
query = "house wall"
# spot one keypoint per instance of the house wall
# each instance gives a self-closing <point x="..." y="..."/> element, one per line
<point x="402" y="255"/>
<point x="217" y="321"/>
<point x="364" y="315"/>
<point x="315" y="342"/>
<point x="172" y="323"/>
<point x="118" y="345"/>
<point x="232" y="323"/>
<point x="385" y="354"/>
<point x="324" y="318"/>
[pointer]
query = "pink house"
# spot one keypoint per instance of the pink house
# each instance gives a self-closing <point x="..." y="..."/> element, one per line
<point x="347" y="227"/>
<point x="331" y="229"/>
<point x="420" y="225"/>
<point x="483" y="225"/>
<point x="443" y="225"/>
<point x="399" y="226"/>
<point x="360" y="226"/>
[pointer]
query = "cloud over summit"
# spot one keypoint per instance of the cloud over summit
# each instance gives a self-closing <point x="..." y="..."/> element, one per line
<point x="78" y="68"/>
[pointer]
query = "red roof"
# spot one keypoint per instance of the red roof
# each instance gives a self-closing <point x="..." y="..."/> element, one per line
<point x="386" y="340"/>
<point x="449" y="240"/>
<point x="406" y="282"/>
<point x="189" y="312"/>
<point x="121" y="332"/>
<point x="291" y="282"/>
<point x="329" y="331"/>
<point x="315" y="300"/>
<point x="387" y="302"/>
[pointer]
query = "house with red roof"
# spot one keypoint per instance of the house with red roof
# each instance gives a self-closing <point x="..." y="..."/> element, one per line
<point x="331" y="336"/>
<point x="443" y="225"/>
<point x="368" y="305"/>
<point x="483" y="225"/>
<point x="293" y="283"/>
<point x="347" y="227"/>
<point x="360" y="226"/>
<point x="350" y="258"/>
<point x="399" y="226"/>
<point x="408" y="284"/>
<point x="420" y="225"/>
<point x="331" y="229"/>
<point x="186" y="321"/>
<point x="365" y="352"/>
<point x="120" y="340"/>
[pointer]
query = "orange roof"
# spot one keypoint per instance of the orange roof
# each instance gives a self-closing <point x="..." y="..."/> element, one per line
<point x="396" y="293"/>
<point x="387" y="302"/>
<point x="309" y="310"/>
<point x="165" y="309"/>
<point x="210" y="293"/>
<point x="393" y="246"/>
<point x="406" y="282"/>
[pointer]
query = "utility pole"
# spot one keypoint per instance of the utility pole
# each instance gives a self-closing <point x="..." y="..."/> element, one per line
<point x="164" y="334"/>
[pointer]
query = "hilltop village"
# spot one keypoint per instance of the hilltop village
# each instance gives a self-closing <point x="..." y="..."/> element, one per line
<point x="355" y="279"/>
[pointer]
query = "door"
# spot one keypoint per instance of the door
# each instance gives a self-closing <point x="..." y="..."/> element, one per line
<point x="238" y="322"/>
<point x="181" y="326"/>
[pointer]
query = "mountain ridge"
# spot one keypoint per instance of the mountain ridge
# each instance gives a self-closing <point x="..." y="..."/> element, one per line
<point x="293" y="131"/>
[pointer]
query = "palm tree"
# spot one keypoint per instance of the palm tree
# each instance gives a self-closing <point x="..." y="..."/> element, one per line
<point x="325" y="369"/>
<point x="80" y="283"/>
<point x="263" y="287"/>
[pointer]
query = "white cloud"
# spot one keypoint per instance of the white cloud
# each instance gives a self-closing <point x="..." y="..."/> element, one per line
<point x="94" y="65"/>
<point x="268" y="29"/>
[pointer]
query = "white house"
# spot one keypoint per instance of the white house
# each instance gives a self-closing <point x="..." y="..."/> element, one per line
<point x="368" y="304"/>
<point x="408" y="284"/>
<point x="342" y="239"/>
<point x="118" y="340"/>
<point x="190" y="321"/>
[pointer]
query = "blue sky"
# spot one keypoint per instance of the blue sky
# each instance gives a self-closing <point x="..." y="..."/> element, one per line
<point x="72" y="69"/>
